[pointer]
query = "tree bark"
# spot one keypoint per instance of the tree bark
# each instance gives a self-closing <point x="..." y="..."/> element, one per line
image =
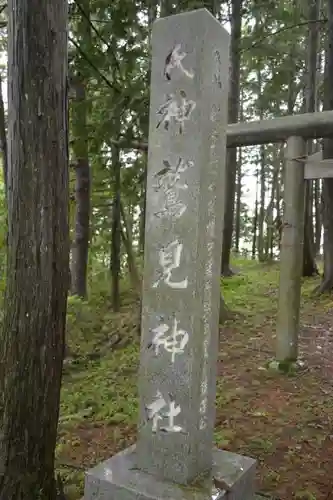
<point x="255" y="221"/>
<point x="239" y="186"/>
<point x="269" y="250"/>
<point x="33" y="334"/>
<point x="233" y="112"/>
<point x="317" y="208"/>
<point x="116" y="229"/>
<point x="309" y="263"/>
<point x="142" y="224"/>
<point x="152" y="13"/>
<point x="277" y="222"/>
<point x="166" y="7"/>
<point x="238" y="202"/>
<point x="80" y="246"/>
<point x="127" y="240"/>
<point x="327" y="282"/>
<point x="3" y="140"/>
<point x="261" y="215"/>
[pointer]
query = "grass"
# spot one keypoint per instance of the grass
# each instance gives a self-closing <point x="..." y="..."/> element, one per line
<point x="283" y="420"/>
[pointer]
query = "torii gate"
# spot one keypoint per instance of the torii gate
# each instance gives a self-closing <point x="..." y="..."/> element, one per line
<point x="295" y="130"/>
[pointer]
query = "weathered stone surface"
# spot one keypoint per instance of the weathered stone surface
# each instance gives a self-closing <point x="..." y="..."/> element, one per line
<point x="174" y="459"/>
<point x="118" y="479"/>
<point x="184" y="216"/>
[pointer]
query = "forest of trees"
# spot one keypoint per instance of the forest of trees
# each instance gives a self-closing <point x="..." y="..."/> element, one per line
<point x="277" y="68"/>
<point x="281" y="63"/>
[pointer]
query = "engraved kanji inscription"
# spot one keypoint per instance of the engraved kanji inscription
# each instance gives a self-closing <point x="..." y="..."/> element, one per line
<point x="160" y="410"/>
<point x="173" y="342"/>
<point x="169" y="260"/>
<point x="176" y="109"/>
<point x="174" y="60"/>
<point x="168" y="180"/>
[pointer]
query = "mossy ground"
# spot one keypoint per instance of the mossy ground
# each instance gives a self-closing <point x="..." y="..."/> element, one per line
<point x="283" y="420"/>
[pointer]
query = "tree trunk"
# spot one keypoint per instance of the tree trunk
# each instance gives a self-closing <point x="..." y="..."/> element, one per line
<point x="142" y="224"/>
<point x="261" y="215"/>
<point x="212" y="5"/>
<point x="3" y="140"/>
<point x="317" y="184"/>
<point x="239" y="187"/>
<point x="233" y="111"/>
<point x="80" y="246"/>
<point x="269" y="212"/>
<point x="116" y="230"/>
<point x="166" y="7"/>
<point x="255" y="221"/>
<point x="278" y="206"/>
<point x="309" y="263"/>
<point x="327" y="283"/>
<point x="238" y="202"/>
<point x="33" y="334"/>
<point x="127" y="240"/>
<point x="317" y="208"/>
<point x="152" y="12"/>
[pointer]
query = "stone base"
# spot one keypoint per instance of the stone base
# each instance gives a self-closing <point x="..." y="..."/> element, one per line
<point x="119" y="479"/>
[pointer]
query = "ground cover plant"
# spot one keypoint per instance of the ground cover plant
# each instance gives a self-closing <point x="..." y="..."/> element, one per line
<point x="282" y="419"/>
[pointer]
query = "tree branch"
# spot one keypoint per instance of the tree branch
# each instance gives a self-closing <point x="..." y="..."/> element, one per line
<point x="282" y="30"/>
<point x="126" y="144"/>
<point x="111" y="85"/>
<point x="85" y="15"/>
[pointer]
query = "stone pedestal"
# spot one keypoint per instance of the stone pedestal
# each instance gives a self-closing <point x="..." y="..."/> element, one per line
<point x="119" y="479"/>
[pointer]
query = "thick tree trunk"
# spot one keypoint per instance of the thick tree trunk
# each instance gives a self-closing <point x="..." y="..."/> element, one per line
<point x="80" y="246"/>
<point x="33" y="334"/>
<point x="327" y="283"/>
<point x="233" y="112"/>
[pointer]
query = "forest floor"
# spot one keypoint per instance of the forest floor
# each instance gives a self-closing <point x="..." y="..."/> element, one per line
<point x="283" y="420"/>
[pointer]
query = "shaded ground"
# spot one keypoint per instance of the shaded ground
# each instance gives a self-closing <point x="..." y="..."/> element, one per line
<point x="282" y="420"/>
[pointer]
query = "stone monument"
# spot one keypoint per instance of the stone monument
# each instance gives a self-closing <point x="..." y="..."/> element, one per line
<point x="174" y="458"/>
